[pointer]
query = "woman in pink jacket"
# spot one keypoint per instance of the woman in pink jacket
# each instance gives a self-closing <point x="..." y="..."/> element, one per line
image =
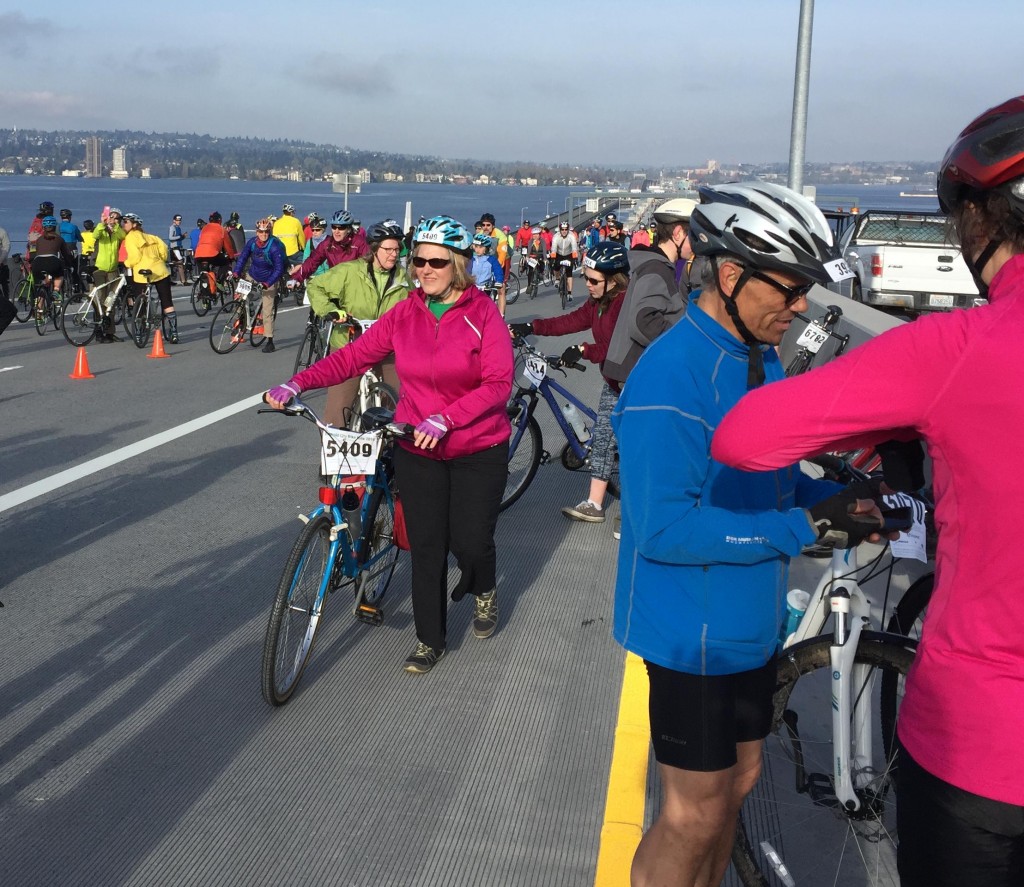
<point x="453" y="355"/>
<point x="952" y="380"/>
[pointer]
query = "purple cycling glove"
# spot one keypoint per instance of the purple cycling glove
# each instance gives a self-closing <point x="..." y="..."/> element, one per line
<point x="433" y="426"/>
<point x="283" y="393"/>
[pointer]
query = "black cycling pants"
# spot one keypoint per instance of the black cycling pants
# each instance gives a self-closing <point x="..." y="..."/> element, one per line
<point x="450" y="505"/>
<point x="953" y="838"/>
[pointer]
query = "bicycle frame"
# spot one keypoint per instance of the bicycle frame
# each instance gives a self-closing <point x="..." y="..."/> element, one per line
<point x="838" y="592"/>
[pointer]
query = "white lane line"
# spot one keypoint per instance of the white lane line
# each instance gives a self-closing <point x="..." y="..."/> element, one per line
<point x="8" y="369"/>
<point x="64" y="478"/>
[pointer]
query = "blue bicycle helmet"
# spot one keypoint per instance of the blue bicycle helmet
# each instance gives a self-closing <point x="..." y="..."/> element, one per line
<point x="49" y="222"/>
<point x="342" y="217"/>
<point x="389" y="229"/>
<point x="608" y="257"/>
<point x="443" y="231"/>
<point x="482" y="240"/>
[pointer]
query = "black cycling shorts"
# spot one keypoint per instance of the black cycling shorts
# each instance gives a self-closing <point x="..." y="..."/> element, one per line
<point x="696" y="720"/>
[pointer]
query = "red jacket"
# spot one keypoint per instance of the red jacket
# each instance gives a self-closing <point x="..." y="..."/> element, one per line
<point x="330" y="251"/>
<point x="586" y="317"/>
<point x="459" y="367"/>
<point x="212" y="239"/>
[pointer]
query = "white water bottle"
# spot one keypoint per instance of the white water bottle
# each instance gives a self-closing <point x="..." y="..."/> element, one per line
<point x="573" y="417"/>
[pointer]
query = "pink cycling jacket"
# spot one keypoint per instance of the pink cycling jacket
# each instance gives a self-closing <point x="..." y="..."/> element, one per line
<point x="953" y="380"/>
<point x="459" y="367"/>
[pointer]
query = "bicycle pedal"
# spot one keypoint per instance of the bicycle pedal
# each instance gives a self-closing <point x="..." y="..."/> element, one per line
<point x="369" y="614"/>
<point x="545" y="457"/>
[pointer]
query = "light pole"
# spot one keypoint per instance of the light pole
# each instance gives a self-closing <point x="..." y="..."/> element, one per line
<point x="547" y="209"/>
<point x="522" y="216"/>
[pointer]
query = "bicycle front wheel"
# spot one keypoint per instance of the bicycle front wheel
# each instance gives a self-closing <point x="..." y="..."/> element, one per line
<point x="524" y="451"/>
<point x="379" y="553"/>
<point x="309" y="351"/>
<point x="297" y="610"/>
<point x="23" y="299"/>
<point x="511" y="288"/>
<point x="793" y="811"/>
<point x="80" y="321"/>
<point x="228" y="328"/>
<point x="383" y="395"/>
<point x="563" y="291"/>
<point x="257" y="335"/>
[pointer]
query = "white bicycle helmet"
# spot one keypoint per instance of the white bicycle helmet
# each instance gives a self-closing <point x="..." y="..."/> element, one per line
<point x="678" y="209"/>
<point x="766" y="227"/>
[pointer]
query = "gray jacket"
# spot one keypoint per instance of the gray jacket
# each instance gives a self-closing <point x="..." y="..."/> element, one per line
<point x="652" y="304"/>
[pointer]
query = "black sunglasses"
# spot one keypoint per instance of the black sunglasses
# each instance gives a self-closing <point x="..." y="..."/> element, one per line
<point x="436" y="264"/>
<point x="340" y="227"/>
<point x="593" y="281"/>
<point x="792" y="293"/>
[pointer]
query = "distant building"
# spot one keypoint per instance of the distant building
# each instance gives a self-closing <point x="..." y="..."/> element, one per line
<point x="94" y="156"/>
<point x="366" y="176"/>
<point x="147" y="173"/>
<point x="120" y="170"/>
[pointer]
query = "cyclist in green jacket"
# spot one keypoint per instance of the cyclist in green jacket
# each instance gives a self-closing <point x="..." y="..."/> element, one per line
<point x="364" y="290"/>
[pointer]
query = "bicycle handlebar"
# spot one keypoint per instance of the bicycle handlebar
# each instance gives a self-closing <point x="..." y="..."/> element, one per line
<point x="298" y="408"/>
<point x="552" y="360"/>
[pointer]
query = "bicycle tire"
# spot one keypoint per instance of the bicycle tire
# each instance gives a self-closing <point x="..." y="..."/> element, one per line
<point x="57" y="313"/>
<point x="308" y="352"/>
<point x="136" y="321"/>
<point x="511" y="288"/>
<point x="40" y="314"/>
<point x="297" y="611"/>
<point x="23" y="300"/>
<point x="817" y="849"/>
<point x="563" y="290"/>
<point x="257" y="339"/>
<point x="228" y="328"/>
<point x="526" y="445"/>
<point x="80" y="321"/>
<point x="379" y="546"/>
<point x="383" y="395"/>
<point x="908" y="615"/>
<point x="201" y="303"/>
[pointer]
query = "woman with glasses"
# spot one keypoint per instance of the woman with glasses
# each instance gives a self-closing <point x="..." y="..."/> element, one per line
<point x="454" y="357"/>
<point x="264" y="256"/>
<point x="606" y="274"/>
<point x="340" y="246"/>
<point x="363" y="290"/>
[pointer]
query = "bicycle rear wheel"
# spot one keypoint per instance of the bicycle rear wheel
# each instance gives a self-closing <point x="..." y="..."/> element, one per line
<point x="524" y="453"/>
<point x="818" y="841"/>
<point x="297" y="610"/>
<point x="511" y="288"/>
<point x="200" y="298"/>
<point x="23" y="299"/>
<point x="309" y="351"/>
<point x="40" y="309"/>
<point x="379" y="554"/>
<point x="136" y="320"/>
<point x="80" y="321"/>
<point x="257" y="338"/>
<point x="228" y="328"/>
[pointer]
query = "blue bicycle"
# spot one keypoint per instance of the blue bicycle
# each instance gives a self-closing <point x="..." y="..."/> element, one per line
<point x="348" y="541"/>
<point x="526" y="445"/>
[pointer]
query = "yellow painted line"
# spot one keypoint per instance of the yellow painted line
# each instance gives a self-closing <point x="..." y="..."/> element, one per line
<point x="627" y="780"/>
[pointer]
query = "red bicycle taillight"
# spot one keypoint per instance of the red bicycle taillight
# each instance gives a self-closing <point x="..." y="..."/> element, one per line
<point x="876" y="265"/>
<point x="328" y="495"/>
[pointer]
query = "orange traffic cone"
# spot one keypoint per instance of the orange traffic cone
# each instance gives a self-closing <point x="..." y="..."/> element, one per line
<point x="158" y="346"/>
<point x="81" y="370"/>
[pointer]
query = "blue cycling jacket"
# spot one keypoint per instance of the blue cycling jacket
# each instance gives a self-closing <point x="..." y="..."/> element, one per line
<point x="705" y="549"/>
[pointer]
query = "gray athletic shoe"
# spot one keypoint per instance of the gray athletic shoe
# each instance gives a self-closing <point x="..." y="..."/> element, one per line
<point x="617" y="527"/>
<point x="585" y="511"/>
<point x="423" y="659"/>
<point x="485" y="615"/>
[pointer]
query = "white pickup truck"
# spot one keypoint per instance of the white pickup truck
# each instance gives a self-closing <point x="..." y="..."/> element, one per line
<point x="904" y="261"/>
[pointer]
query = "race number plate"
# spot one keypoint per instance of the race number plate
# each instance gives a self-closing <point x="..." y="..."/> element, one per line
<point x="349" y="452"/>
<point x="523" y="250"/>
<point x="532" y="263"/>
<point x="243" y="287"/>
<point x="812" y="338"/>
<point x="535" y="370"/>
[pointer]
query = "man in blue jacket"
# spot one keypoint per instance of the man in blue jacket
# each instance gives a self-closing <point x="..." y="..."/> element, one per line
<point x="705" y="549"/>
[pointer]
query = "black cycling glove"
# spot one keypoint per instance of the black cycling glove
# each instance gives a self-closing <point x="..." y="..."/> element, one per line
<point x="902" y="464"/>
<point x="572" y="355"/>
<point x="835" y="523"/>
<point x="521" y="329"/>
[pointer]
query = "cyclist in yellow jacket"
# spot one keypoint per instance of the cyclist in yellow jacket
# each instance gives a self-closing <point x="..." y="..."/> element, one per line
<point x="288" y="230"/>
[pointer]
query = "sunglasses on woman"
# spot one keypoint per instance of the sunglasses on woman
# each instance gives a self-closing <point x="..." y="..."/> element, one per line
<point x="436" y="264"/>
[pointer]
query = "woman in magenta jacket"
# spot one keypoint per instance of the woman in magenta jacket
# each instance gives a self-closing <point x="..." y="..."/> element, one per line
<point x="952" y="380"/>
<point x="606" y="273"/>
<point x="453" y="355"/>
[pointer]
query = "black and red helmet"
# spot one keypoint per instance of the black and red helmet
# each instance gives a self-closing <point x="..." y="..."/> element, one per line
<point x="987" y="156"/>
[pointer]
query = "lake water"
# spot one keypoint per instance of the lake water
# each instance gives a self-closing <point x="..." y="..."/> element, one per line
<point x="157" y="200"/>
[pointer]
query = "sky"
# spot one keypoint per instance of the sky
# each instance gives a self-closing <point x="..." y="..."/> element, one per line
<point x="641" y="84"/>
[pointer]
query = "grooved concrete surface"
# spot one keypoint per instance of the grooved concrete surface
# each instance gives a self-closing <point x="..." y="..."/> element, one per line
<point x="135" y="747"/>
